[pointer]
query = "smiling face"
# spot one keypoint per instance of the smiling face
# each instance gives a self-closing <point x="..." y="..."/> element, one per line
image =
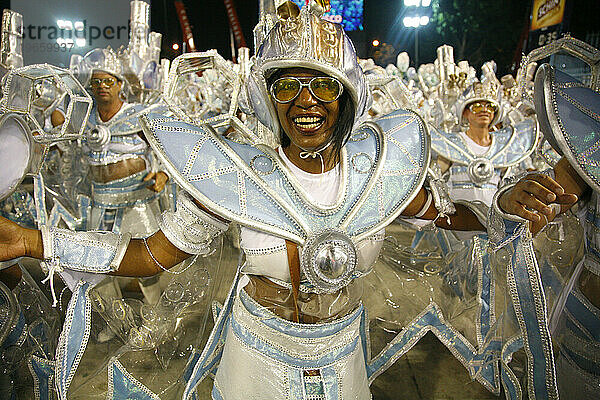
<point x="105" y="87"/>
<point x="308" y="122"/>
<point x="479" y="114"/>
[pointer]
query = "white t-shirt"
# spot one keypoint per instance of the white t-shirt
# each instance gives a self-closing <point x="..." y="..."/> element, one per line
<point x="267" y="254"/>
<point x="322" y="189"/>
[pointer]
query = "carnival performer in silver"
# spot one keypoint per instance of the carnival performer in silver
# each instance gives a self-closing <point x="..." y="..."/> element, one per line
<point x="567" y="313"/>
<point x="476" y="142"/>
<point x="313" y="212"/>
<point x="125" y="183"/>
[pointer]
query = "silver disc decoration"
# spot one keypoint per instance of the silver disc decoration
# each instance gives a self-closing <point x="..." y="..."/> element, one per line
<point x="98" y="137"/>
<point x="328" y="260"/>
<point x="480" y="171"/>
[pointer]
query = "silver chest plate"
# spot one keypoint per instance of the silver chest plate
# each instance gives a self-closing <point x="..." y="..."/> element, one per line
<point x="480" y="171"/>
<point x="328" y="260"/>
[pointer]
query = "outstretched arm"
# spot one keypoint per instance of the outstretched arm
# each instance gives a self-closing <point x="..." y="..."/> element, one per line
<point x="184" y="232"/>
<point x="16" y="241"/>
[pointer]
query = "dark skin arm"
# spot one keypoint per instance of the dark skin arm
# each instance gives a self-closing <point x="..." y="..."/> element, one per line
<point x="16" y="241"/>
<point x="462" y="220"/>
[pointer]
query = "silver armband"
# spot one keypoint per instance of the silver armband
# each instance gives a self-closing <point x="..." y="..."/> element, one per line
<point x="439" y="190"/>
<point x="95" y="252"/>
<point x="189" y="228"/>
<point x="503" y="227"/>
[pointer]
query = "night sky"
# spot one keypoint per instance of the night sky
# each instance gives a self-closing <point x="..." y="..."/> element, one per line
<point x="211" y="28"/>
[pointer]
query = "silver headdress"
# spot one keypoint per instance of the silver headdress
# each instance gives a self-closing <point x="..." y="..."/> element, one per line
<point x="301" y="38"/>
<point x="138" y="65"/>
<point x="104" y="60"/>
<point x="488" y="90"/>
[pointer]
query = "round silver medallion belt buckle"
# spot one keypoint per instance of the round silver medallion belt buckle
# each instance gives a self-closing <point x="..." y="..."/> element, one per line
<point x="480" y="171"/>
<point x="328" y="260"/>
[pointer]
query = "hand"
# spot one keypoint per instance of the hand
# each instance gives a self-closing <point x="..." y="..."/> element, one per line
<point x="160" y="180"/>
<point x="531" y="196"/>
<point x="15" y="240"/>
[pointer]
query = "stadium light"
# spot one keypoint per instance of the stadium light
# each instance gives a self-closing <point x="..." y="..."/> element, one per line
<point x="415" y="19"/>
<point x="417" y="3"/>
<point x="375" y="43"/>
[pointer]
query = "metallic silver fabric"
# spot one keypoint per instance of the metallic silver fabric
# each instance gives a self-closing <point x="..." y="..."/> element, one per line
<point x="95" y="252"/>
<point x="277" y="357"/>
<point x="305" y="41"/>
<point x="11" y="55"/>
<point x="570" y="119"/>
<point x="189" y="228"/>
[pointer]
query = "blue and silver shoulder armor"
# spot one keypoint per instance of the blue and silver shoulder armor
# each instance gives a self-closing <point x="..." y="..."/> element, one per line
<point x="125" y="122"/>
<point x="383" y="166"/>
<point x="569" y="114"/>
<point x="509" y="147"/>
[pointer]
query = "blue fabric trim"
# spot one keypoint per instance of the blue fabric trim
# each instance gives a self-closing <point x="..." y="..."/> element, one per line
<point x="584" y="316"/>
<point x="330" y="382"/>
<point x="39" y="195"/>
<point x="125" y="388"/>
<point x="215" y="394"/>
<point x="74" y="255"/>
<point x="38" y="338"/>
<point x="510" y="391"/>
<point x="296" y="390"/>
<point x="74" y="337"/>
<point x="211" y="354"/>
<point x="432" y="320"/>
<point x="485" y="306"/>
<point x="44" y="372"/>
<point x="507" y="382"/>
<point x="468" y="185"/>
<point x="296" y="329"/>
<point x="529" y="304"/>
<point x="263" y="347"/>
<point x="16" y="333"/>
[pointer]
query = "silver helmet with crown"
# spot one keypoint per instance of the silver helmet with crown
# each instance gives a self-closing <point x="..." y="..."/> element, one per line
<point x="104" y="60"/>
<point x="301" y="38"/>
<point x="488" y="91"/>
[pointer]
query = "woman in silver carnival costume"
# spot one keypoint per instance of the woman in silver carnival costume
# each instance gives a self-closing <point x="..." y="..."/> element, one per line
<point x="568" y="111"/>
<point x="313" y="213"/>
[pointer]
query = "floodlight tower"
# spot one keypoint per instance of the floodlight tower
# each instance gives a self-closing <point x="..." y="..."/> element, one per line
<point x="417" y="17"/>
